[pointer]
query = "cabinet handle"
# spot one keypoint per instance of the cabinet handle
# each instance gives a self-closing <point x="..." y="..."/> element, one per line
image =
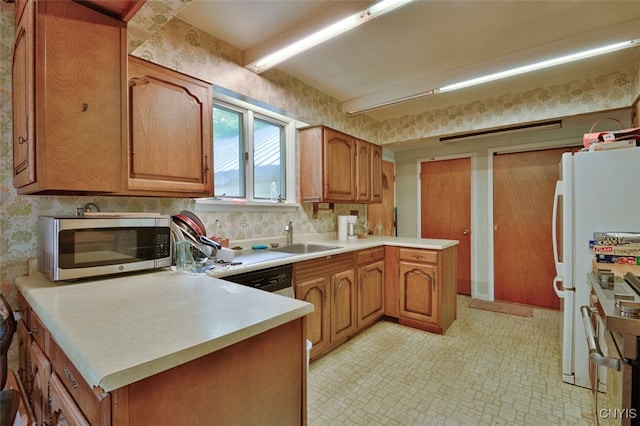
<point x="21" y="140"/>
<point x="70" y="377"/>
<point x="85" y="106"/>
<point x="35" y="331"/>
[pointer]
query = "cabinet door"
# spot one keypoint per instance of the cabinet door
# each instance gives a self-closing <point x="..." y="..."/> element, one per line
<point x="170" y="132"/>
<point x="363" y="170"/>
<point x="370" y="293"/>
<point x="419" y="292"/>
<point x="314" y="291"/>
<point x="376" y="173"/>
<point x="40" y="373"/>
<point x="80" y="73"/>
<point x="343" y="317"/>
<point x="24" y="415"/>
<point x="24" y="168"/>
<point x="24" y="354"/>
<point x="339" y="166"/>
<point x="64" y="410"/>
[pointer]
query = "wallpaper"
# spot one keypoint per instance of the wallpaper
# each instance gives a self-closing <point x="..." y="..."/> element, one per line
<point x="172" y="43"/>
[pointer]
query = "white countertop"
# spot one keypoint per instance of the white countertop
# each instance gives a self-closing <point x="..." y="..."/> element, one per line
<point x="344" y="247"/>
<point x="120" y="330"/>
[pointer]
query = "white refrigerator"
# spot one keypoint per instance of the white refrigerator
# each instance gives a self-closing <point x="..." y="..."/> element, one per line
<point x="597" y="191"/>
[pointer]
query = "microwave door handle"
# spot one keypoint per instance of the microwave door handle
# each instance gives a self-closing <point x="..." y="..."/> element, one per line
<point x="595" y="353"/>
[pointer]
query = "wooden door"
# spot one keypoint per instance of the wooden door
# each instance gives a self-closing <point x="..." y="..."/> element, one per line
<point x="445" y="203"/>
<point x="383" y="213"/>
<point x="523" y="187"/>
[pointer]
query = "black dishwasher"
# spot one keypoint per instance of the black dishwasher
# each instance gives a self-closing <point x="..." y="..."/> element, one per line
<point x="277" y="279"/>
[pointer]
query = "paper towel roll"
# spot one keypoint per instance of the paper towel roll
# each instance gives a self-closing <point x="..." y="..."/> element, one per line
<point x="342" y="228"/>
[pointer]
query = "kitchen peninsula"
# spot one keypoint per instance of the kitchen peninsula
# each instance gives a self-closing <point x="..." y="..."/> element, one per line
<point x="165" y="348"/>
<point x="161" y="347"/>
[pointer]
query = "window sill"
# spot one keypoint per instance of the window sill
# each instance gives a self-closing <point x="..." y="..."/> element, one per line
<point x="209" y="204"/>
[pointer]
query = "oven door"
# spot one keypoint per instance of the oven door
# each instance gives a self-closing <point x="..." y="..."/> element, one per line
<point x="605" y="366"/>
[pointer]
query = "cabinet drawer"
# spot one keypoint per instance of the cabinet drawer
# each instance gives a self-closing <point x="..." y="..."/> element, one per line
<point x="373" y="255"/>
<point x="38" y="331"/>
<point x="425" y="256"/>
<point x="96" y="407"/>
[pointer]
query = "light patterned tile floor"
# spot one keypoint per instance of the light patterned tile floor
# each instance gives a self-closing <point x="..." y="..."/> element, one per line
<point x="489" y="369"/>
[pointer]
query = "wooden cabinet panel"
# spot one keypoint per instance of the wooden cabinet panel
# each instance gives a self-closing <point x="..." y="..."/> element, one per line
<point x="64" y="410"/>
<point x="363" y="170"/>
<point x="40" y="374"/>
<point x="418" y="292"/>
<point x="370" y="291"/>
<point x="78" y="73"/>
<point x="170" y="135"/>
<point x="95" y="405"/>
<point x="343" y="315"/>
<point x="339" y="168"/>
<point x="376" y="173"/>
<point x="315" y="291"/>
<point x="350" y="170"/>
<point x="24" y="170"/>
<point x="24" y="415"/>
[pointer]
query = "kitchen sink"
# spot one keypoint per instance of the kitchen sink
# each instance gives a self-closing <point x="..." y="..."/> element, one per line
<point x="304" y="248"/>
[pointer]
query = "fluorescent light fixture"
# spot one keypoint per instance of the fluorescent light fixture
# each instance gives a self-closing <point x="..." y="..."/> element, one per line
<point x="539" y="65"/>
<point x="504" y="74"/>
<point x="325" y="34"/>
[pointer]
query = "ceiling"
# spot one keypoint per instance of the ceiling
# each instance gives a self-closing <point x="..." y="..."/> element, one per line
<point x="427" y="44"/>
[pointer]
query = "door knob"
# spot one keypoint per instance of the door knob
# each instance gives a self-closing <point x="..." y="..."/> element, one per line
<point x="466" y="232"/>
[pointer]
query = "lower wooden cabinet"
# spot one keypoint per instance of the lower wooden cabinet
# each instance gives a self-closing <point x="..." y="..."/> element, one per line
<point x="39" y="377"/>
<point x="64" y="410"/>
<point x="329" y="284"/>
<point x="370" y="286"/>
<point x="425" y="287"/>
<point x="347" y="291"/>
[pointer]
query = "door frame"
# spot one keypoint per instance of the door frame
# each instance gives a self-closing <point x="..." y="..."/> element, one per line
<point x="474" y="190"/>
<point x="490" y="224"/>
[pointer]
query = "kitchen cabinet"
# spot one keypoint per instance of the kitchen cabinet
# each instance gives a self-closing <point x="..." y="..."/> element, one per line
<point x="208" y="387"/>
<point x="64" y="410"/>
<point x="425" y="284"/>
<point x="329" y="284"/>
<point x="69" y="71"/>
<point x="24" y="414"/>
<point x="370" y="298"/>
<point x="170" y="148"/>
<point x="336" y="167"/>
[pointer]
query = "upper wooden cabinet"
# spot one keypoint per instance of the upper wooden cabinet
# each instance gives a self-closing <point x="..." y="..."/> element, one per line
<point x="170" y="147"/>
<point x="69" y="71"/>
<point x="336" y="167"/>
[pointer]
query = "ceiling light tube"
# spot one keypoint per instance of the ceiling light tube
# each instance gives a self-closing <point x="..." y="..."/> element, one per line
<point x="540" y="65"/>
<point x="325" y="34"/>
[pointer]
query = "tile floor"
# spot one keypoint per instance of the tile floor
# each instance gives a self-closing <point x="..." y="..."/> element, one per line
<point x="489" y="369"/>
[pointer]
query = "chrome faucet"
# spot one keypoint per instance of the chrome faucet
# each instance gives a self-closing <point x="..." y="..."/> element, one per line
<point x="289" y="230"/>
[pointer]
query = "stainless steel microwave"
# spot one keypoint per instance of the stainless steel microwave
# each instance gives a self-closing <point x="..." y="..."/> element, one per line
<point x="74" y="247"/>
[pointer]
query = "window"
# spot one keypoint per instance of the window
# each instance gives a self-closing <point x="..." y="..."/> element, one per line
<point x="253" y="151"/>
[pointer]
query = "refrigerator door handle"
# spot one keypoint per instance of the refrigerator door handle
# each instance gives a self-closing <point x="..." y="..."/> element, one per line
<point x="554" y="230"/>
<point x="559" y="292"/>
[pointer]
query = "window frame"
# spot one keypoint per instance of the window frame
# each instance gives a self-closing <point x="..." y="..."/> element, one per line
<point x="250" y="112"/>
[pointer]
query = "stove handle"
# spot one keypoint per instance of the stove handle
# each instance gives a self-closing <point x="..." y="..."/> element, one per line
<point x="595" y="353"/>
